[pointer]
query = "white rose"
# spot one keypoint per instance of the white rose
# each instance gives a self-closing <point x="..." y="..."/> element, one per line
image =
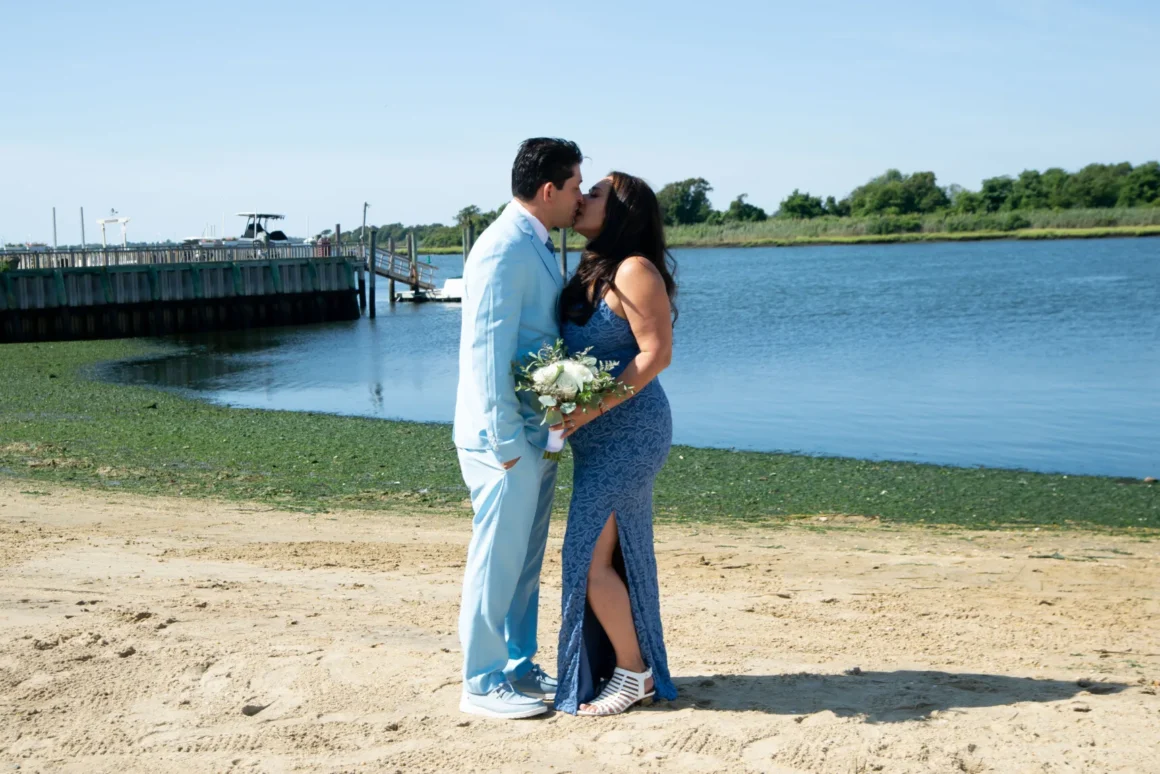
<point x="580" y="373"/>
<point x="566" y="386"/>
<point x="545" y="376"/>
<point x="571" y="380"/>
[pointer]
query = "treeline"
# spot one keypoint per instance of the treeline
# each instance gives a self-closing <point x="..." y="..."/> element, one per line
<point x="1080" y="222"/>
<point x="890" y="203"/>
<point x="1095" y="186"/>
<point x="432" y="235"/>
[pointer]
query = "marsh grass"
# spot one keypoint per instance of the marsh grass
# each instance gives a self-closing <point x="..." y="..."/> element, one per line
<point x="57" y="424"/>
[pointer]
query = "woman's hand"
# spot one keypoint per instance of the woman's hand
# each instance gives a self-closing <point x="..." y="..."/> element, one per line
<point x="577" y="419"/>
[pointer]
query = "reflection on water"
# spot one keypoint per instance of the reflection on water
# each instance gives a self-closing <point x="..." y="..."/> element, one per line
<point x="1035" y="355"/>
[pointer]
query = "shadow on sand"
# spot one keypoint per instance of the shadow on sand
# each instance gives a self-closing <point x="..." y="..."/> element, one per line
<point x="879" y="697"/>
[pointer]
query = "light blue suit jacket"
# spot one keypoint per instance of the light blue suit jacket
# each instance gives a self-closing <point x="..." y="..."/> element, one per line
<point x="512" y="287"/>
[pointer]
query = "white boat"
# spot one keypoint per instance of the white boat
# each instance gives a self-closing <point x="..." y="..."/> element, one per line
<point x="258" y="228"/>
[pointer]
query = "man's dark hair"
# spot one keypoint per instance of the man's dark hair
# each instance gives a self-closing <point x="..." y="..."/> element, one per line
<point x="543" y="160"/>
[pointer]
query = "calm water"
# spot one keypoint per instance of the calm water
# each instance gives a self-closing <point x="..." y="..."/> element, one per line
<point x="1031" y="355"/>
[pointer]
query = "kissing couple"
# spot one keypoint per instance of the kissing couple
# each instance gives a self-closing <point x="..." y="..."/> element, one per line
<point x="619" y="303"/>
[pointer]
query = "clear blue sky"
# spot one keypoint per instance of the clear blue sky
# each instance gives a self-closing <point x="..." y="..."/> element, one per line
<point x="174" y="113"/>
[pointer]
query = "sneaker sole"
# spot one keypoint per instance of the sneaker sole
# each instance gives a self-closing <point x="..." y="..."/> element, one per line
<point x="473" y="709"/>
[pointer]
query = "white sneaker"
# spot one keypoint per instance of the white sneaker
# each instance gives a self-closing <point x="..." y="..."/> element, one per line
<point x="503" y="702"/>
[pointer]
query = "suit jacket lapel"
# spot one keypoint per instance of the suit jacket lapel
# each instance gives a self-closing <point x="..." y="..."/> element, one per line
<point x="550" y="262"/>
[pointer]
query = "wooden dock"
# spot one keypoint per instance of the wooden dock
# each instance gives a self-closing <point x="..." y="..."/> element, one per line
<point x="158" y="299"/>
<point x="158" y="290"/>
<point x="387" y="263"/>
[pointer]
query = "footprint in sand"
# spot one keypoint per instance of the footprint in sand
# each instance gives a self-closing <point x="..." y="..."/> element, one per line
<point x="216" y="678"/>
<point x="758" y="757"/>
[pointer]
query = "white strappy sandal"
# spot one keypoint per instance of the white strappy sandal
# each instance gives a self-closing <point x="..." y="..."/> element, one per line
<point x="623" y="691"/>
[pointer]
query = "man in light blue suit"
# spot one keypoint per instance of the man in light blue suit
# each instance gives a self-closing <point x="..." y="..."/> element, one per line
<point x="512" y="285"/>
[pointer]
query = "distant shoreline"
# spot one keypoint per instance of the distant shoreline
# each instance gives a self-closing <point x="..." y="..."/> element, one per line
<point x="1029" y="234"/>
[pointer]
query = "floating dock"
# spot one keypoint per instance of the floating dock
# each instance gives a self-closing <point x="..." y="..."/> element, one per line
<point x="451" y="292"/>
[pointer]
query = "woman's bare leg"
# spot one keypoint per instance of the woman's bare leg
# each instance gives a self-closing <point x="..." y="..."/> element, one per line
<point x="608" y="597"/>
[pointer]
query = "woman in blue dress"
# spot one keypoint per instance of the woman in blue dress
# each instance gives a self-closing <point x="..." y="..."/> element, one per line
<point x="620" y="304"/>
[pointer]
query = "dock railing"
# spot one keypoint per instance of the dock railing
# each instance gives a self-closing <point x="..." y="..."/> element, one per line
<point x="392" y="265"/>
<point x="401" y="269"/>
<point x="164" y="254"/>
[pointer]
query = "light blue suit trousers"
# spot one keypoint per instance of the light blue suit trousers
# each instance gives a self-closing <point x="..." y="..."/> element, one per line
<point x="512" y="286"/>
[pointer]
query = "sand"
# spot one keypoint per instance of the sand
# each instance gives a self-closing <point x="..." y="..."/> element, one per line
<point x="152" y="635"/>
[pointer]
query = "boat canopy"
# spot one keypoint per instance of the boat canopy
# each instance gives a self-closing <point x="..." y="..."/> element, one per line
<point x="256" y="226"/>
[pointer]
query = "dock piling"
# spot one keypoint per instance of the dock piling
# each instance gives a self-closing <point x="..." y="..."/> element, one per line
<point x="373" y="273"/>
<point x="391" y="280"/>
<point x="468" y="240"/>
<point x="413" y="254"/>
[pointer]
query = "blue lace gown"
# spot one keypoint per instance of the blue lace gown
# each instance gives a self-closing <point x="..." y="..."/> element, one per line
<point x="617" y="458"/>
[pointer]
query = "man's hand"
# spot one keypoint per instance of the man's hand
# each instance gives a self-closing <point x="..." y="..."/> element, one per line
<point x="510" y="465"/>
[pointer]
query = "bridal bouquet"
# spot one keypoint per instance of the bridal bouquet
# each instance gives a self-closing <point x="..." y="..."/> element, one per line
<point x="565" y="383"/>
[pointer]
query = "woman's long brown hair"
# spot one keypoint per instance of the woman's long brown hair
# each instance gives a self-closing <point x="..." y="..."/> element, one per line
<point x="633" y="225"/>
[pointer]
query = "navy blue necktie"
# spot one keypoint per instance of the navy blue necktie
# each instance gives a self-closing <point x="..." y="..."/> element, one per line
<point x="551" y="247"/>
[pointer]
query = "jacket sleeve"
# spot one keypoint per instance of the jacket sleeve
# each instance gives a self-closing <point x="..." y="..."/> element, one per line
<point x="495" y="326"/>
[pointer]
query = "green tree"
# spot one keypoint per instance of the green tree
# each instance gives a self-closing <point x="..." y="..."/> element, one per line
<point x="962" y="200"/>
<point x="489" y="217"/>
<point x="685" y="202"/>
<point x="881" y="195"/>
<point x="743" y="211"/>
<point x="840" y="209"/>
<point x="474" y="215"/>
<point x="1056" y="188"/>
<point x="922" y="193"/>
<point x="801" y="205"/>
<point x="1141" y="186"/>
<point x="468" y="215"/>
<point x="894" y="193"/>
<point x="1098" y="185"/>
<point x="1027" y="192"/>
<point x="996" y="192"/>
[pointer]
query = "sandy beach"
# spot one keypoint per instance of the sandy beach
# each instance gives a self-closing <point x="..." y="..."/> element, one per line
<point x="143" y="634"/>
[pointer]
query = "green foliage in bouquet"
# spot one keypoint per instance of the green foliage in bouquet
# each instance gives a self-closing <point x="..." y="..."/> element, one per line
<point x="566" y="382"/>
